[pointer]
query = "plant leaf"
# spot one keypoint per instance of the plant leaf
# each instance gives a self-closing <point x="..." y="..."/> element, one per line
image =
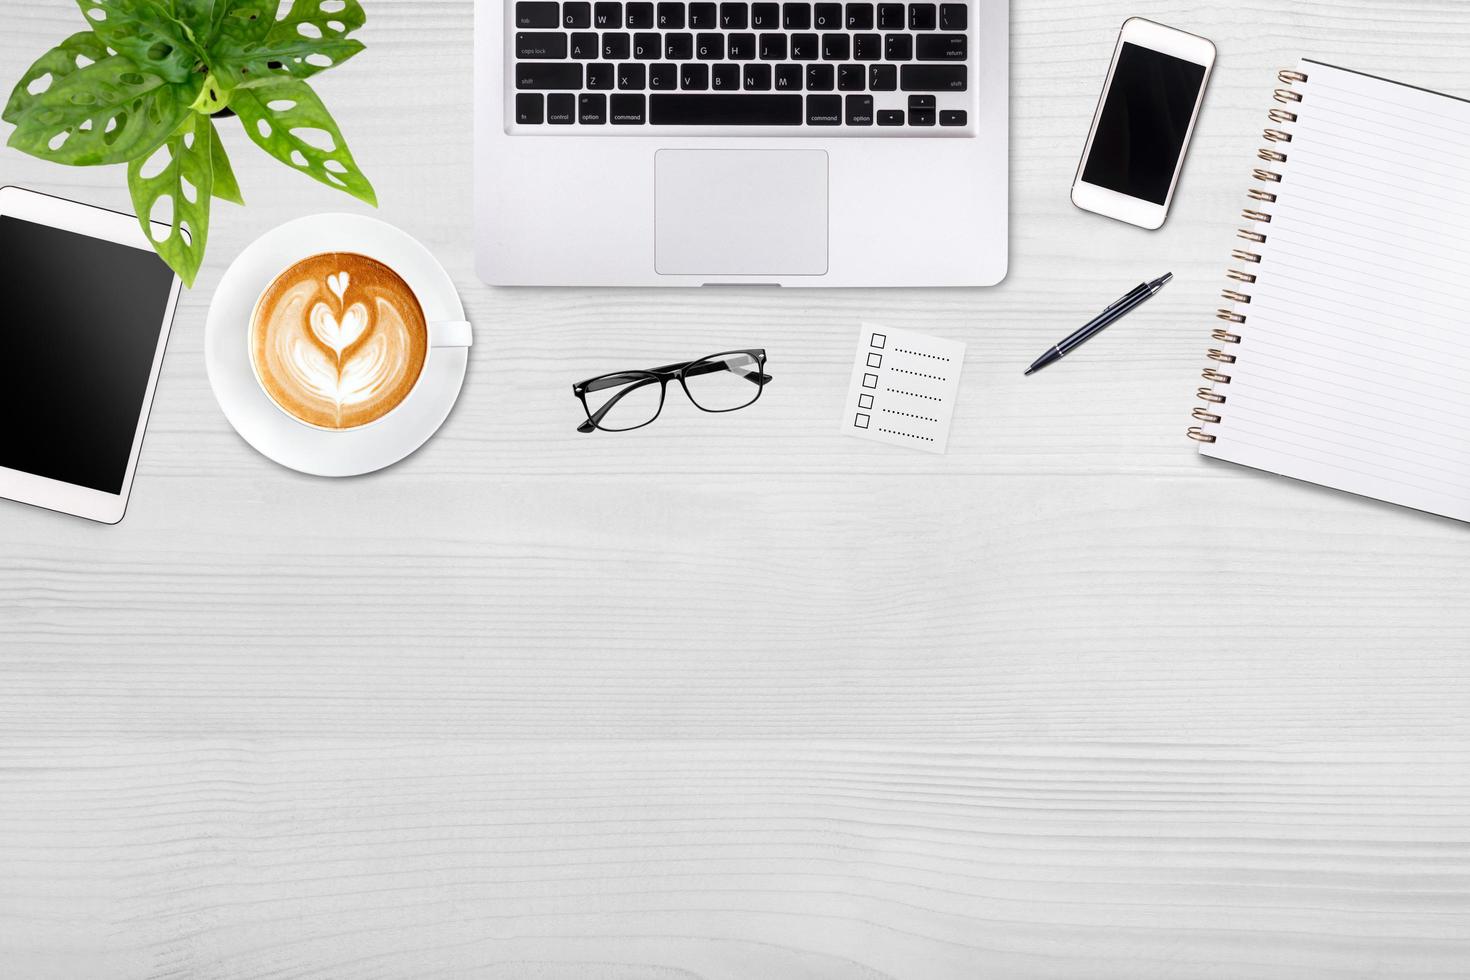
<point x="253" y="48"/>
<point x="145" y="32"/>
<point x="288" y="121"/>
<point x="67" y="57"/>
<point x="187" y="181"/>
<point x="226" y="187"/>
<point x="200" y="18"/>
<point x="109" y="112"/>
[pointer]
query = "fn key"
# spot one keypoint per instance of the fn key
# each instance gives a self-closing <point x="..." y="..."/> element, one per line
<point x="530" y="109"/>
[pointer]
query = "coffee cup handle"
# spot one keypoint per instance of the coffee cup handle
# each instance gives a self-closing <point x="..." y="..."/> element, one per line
<point x="451" y="333"/>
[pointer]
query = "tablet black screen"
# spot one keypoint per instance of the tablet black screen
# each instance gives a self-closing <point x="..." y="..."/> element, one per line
<point x="79" y="325"/>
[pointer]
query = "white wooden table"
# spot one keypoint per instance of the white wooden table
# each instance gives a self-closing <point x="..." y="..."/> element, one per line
<point x="736" y="697"/>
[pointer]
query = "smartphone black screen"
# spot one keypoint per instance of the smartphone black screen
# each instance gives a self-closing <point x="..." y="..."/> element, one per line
<point x="79" y="332"/>
<point x="1144" y="121"/>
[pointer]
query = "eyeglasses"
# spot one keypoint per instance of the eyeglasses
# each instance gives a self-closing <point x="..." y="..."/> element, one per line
<point x="632" y="399"/>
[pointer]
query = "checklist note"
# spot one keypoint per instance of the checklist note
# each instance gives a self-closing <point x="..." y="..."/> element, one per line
<point x="903" y="388"/>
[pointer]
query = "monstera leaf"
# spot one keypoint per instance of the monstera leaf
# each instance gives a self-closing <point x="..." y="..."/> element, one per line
<point x="226" y="188"/>
<point x="108" y="112"/>
<point x="76" y="52"/>
<point x="181" y="173"/>
<point x="288" y="121"/>
<point x="254" y="48"/>
<point x="144" y="31"/>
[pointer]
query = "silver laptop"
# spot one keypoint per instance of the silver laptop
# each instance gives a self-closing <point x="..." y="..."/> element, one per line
<point x="794" y="144"/>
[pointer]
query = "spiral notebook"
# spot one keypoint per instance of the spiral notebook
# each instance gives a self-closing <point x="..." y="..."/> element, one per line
<point x="1344" y="354"/>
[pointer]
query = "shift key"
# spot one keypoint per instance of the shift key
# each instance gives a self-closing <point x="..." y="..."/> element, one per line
<point x="543" y="76"/>
<point x="933" y="78"/>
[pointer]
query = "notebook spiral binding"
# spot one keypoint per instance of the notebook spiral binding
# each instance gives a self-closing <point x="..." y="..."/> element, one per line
<point x="1220" y="357"/>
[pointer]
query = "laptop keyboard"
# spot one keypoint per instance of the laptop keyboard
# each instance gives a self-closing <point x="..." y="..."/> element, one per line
<point x="589" y="66"/>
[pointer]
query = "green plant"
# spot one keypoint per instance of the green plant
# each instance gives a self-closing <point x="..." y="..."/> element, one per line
<point x="143" y="85"/>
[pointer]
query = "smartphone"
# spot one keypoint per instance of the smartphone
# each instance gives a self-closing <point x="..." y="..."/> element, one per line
<point x="1145" y="117"/>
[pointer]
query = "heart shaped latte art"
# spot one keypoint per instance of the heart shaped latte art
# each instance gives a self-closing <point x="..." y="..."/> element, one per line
<point x="339" y="348"/>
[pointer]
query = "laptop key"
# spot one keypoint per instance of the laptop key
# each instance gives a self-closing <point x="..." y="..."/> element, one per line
<point x="627" y="110"/>
<point x="933" y="78"/>
<point x="545" y="75"/>
<point x="882" y="78"/>
<point x="694" y="77"/>
<point x="824" y="110"/>
<point x="678" y="47"/>
<point x="860" y="17"/>
<point x="836" y="47"/>
<point x="859" y="110"/>
<point x="898" y="47"/>
<point x="592" y="109"/>
<point x="867" y="47"/>
<point x="922" y="17"/>
<point x="538" y="15"/>
<point x="742" y="47"/>
<point x="819" y="78"/>
<point x="640" y="16"/>
<point x="561" y="108"/>
<point x="891" y="17"/>
<point x="725" y="110"/>
<point x="796" y="16"/>
<point x="709" y="47"/>
<point x="607" y="16"/>
<point x="600" y="77"/>
<point x="851" y="78"/>
<point x="704" y="17"/>
<point x="576" y="14"/>
<point x="725" y="78"/>
<point x="671" y="16"/>
<point x="953" y="117"/>
<point x="890" y="117"/>
<point x="663" y="77"/>
<point x="757" y="78"/>
<point x="532" y="46"/>
<point x="773" y="47"/>
<point x="765" y="16"/>
<point x="953" y="17"/>
<point x="647" y="47"/>
<point x="616" y="47"/>
<point x="921" y="102"/>
<point x="828" y="16"/>
<point x="942" y="47"/>
<point x="632" y="77"/>
<point x="788" y="78"/>
<point x="530" y="110"/>
<point x="584" y="47"/>
<point x="734" y="16"/>
<point x="921" y="117"/>
<point x="805" y="47"/>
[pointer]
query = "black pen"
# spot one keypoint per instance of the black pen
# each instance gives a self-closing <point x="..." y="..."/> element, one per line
<point x="1136" y="298"/>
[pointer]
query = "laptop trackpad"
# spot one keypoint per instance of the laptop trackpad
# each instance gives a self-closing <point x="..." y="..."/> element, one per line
<point x="741" y="212"/>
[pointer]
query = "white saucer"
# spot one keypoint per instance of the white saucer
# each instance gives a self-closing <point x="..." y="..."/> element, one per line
<point x="265" y="426"/>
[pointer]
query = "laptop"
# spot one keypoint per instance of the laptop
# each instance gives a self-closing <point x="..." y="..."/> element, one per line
<point x="695" y="143"/>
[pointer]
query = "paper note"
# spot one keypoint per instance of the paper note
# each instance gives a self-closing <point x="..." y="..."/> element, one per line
<point x="903" y="388"/>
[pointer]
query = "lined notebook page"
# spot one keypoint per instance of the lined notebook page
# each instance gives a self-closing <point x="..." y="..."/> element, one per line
<point x="1354" y="366"/>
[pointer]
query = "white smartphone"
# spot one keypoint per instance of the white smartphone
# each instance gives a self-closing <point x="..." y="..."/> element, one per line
<point x="1143" y="123"/>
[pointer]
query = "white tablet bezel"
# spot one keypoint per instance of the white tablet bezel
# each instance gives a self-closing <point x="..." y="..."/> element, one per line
<point x="108" y="226"/>
<point x="1165" y="40"/>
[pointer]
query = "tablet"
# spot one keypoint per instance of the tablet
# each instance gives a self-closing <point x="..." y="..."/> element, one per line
<point x="85" y="309"/>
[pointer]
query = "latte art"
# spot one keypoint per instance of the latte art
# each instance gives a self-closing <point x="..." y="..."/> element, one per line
<point x="338" y="340"/>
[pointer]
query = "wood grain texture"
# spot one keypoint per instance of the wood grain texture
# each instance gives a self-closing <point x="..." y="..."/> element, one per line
<point x="737" y="697"/>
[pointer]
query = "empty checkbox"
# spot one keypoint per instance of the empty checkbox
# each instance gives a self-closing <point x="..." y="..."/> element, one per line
<point x="865" y="401"/>
<point x="863" y="420"/>
<point x="875" y="360"/>
<point x="870" y="381"/>
<point x="880" y="340"/>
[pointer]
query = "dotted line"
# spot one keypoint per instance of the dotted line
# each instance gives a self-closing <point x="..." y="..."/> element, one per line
<point x="917" y="374"/>
<point x="915" y="394"/>
<point x="921" y="418"/>
<point x="909" y="435"/>
<point x="919" y="353"/>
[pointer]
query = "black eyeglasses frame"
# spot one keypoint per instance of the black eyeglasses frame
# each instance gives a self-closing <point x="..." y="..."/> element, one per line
<point x="663" y="375"/>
